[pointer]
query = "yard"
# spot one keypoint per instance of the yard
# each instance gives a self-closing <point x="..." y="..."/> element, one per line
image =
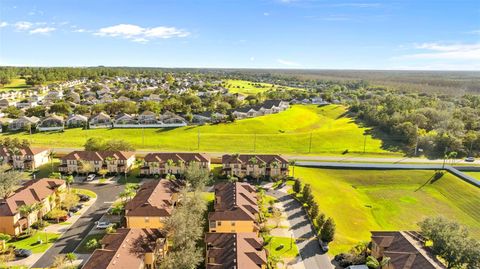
<point x="250" y="88"/>
<point x="302" y="129"/>
<point x="474" y="174"/>
<point x="283" y="247"/>
<point x="16" y="84"/>
<point x="364" y="200"/>
<point x="82" y="248"/>
<point x="32" y="244"/>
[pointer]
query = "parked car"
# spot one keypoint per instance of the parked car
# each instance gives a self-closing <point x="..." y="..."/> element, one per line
<point x="74" y="209"/>
<point x="323" y="245"/>
<point x="22" y="253"/>
<point x="470" y="159"/>
<point x="83" y="197"/>
<point x="103" y="224"/>
<point x="90" y="177"/>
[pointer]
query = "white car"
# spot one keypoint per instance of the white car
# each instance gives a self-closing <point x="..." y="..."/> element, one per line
<point x="90" y="177"/>
<point x="470" y="159"/>
<point x="103" y="224"/>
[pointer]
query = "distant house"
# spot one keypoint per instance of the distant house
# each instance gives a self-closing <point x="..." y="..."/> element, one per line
<point x="73" y="96"/>
<point x="169" y="119"/>
<point x="152" y="205"/>
<point x="129" y="248"/>
<point x="172" y="163"/>
<point x="23" y="122"/>
<point x="4" y="103"/>
<point x="45" y="191"/>
<point x="124" y="119"/>
<point x="209" y="116"/>
<point x="101" y="120"/>
<point x="404" y="250"/>
<point x="117" y="162"/>
<point x="26" y="158"/>
<point x="147" y="117"/>
<point x="53" y="96"/>
<point x="235" y="250"/>
<point x="275" y="106"/>
<point x="76" y="121"/>
<point x="235" y="209"/>
<point x="255" y="165"/>
<point x="51" y="123"/>
<point x="26" y="103"/>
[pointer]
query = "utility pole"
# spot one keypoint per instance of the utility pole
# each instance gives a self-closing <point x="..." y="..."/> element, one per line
<point x="310" y="144"/>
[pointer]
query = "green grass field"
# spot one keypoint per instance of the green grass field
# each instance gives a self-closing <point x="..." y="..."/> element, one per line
<point x="248" y="88"/>
<point x="280" y="246"/>
<point x="302" y="129"/>
<point x="16" y="84"/>
<point x="473" y="174"/>
<point x="32" y="244"/>
<point x="364" y="200"/>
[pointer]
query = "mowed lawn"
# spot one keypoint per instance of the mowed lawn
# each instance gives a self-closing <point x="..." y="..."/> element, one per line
<point x="302" y="129"/>
<point x="15" y="84"/>
<point x="364" y="200"/>
<point x="251" y="88"/>
<point x="473" y="174"/>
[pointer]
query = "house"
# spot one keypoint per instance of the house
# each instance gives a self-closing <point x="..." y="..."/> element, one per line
<point x="153" y="203"/>
<point x="208" y="116"/>
<point x="234" y="250"/>
<point x="101" y="120"/>
<point x="26" y="158"/>
<point x="147" y="117"/>
<point x="73" y="96"/>
<point x="255" y="165"/>
<point x="26" y="103"/>
<point x="45" y="191"/>
<point x="235" y="209"/>
<point x="112" y="161"/>
<point x="76" y="121"/>
<point x="404" y="250"/>
<point x="5" y="103"/>
<point x="124" y="119"/>
<point x="53" y="96"/>
<point x="172" y="163"/>
<point x="275" y="106"/>
<point x="169" y="119"/>
<point x="52" y="123"/>
<point x="23" y="122"/>
<point x="129" y="249"/>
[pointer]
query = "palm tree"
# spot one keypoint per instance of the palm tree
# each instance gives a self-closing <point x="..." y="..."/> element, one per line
<point x="69" y="180"/>
<point x="372" y="262"/>
<point x="51" y="154"/>
<point x="293" y="163"/>
<point x="71" y="257"/>
<point x="59" y="261"/>
<point x="25" y="211"/>
<point x="170" y="163"/>
<point x="39" y="208"/>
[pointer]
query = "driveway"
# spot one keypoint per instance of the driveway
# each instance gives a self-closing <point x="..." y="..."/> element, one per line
<point x="303" y="232"/>
<point x="106" y="194"/>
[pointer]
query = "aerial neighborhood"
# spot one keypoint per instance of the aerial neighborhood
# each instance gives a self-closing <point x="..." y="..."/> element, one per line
<point x="165" y="169"/>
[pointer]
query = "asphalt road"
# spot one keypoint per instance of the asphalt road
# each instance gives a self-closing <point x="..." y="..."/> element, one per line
<point x="73" y="236"/>
<point x="303" y="232"/>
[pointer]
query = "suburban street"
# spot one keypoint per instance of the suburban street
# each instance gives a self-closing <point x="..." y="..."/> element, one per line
<point x="106" y="194"/>
<point x="303" y="232"/>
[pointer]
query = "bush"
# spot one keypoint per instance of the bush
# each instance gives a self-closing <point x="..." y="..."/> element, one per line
<point x="297" y="186"/>
<point x="92" y="244"/>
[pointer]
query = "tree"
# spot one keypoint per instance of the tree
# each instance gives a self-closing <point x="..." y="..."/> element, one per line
<point x="94" y="144"/>
<point x="292" y="164"/>
<point x="69" y="180"/>
<point x="70" y="200"/>
<point x="372" y="262"/>
<point x="196" y="176"/>
<point x="92" y="244"/>
<point x="37" y="111"/>
<point x="276" y="216"/>
<point x="12" y="112"/>
<point x="320" y="220"/>
<point x="297" y="186"/>
<point x="103" y="172"/>
<point x="51" y="155"/>
<point x="25" y="211"/>
<point x="56" y="214"/>
<point x="314" y="210"/>
<point x="450" y="241"/>
<point x="328" y="231"/>
<point x="71" y="257"/>
<point x="60" y="108"/>
<point x="307" y="194"/>
<point x="9" y="181"/>
<point x="85" y="167"/>
<point x="3" y="239"/>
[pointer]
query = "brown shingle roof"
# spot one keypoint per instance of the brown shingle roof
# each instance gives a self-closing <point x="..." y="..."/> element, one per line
<point x="245" y="158"/>
<point x="98" y="155"/>
<point x="154" y="198"/>
<point x="30" y="193"/>
<point x="234" y="201"/>
<point x="234" y="250"/>
<point x="124" y="249"/>
<point x="163" y="157"/>
<point x="404" y="250"/>
<point x="22" y="151"/>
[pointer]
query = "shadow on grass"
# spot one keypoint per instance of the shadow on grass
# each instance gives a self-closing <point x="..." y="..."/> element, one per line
<point x="434" y="178"/>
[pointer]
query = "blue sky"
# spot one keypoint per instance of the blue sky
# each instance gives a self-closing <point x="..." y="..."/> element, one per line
<point x="421" y="34"/>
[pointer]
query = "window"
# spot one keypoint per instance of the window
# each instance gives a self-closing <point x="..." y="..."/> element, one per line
<point x="233" y="223"/>
<point x="219" y="223"/>
<point x="147" y="220"/>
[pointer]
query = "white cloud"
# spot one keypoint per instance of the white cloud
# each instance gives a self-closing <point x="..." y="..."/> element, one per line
<point x="140" y="34"/>
<point x="288" y="63"/>
<point x="3" y="24"/>
<point x="266" y="14"/>
<point x="446" y="51"/>
<point x="42" y="30"/>
<point x="23" y="25"/>
<point x="79" y="30"/>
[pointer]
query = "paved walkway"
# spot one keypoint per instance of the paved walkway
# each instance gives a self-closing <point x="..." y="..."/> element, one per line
<point x="303" y="232"/>
<point x="73" y="236"/>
